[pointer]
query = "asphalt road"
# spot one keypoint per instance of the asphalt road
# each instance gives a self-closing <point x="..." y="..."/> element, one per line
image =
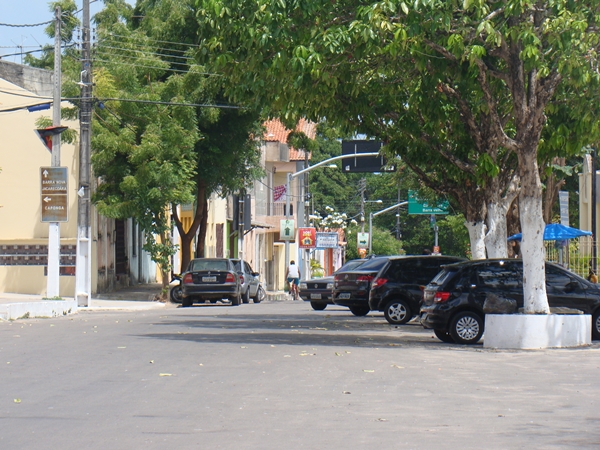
<point x="281" y="376"/>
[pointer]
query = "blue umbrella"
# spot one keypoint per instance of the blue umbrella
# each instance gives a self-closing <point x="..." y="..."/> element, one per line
<point x="557" y="232"/>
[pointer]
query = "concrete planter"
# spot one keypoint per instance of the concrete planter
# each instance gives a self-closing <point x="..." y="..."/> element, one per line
<point x="535" y="331"/>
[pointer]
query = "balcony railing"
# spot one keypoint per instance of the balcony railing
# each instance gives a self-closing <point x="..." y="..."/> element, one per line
<point x="273" y="209"/>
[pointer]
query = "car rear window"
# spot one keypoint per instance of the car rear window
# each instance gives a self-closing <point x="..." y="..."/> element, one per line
<point x="443" y="277"/>
<point x="209" y="264"/>
<point x="351" y="265"/>
<point x="373" y="264"/>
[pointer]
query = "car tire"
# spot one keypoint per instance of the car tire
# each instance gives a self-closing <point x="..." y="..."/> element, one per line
<point x="246" y="296"/>
<point x="260" y="295"/>
<point x="236" y="300"/>
<point x="596" y="326"/>
<point x="187" y="302"/>
<point x="359" y="310"/>
<point x="176" y="294"/>
<point x="397" y="312"/>
<point x="318" y="306"/>
<point x="466" y="328"/>
<point x="444" y="336"/>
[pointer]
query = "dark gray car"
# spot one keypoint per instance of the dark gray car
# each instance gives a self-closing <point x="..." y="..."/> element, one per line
<point x="318" y="291"/>
<point x="211" y="279"/>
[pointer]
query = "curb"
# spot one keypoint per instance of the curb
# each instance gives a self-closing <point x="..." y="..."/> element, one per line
<point x="43" y="309"/>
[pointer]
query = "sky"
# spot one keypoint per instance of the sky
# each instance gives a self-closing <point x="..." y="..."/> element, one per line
<point x="28" y="12"/>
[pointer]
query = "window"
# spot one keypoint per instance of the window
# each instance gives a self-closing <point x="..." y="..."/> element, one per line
<point x="498" y="275"/>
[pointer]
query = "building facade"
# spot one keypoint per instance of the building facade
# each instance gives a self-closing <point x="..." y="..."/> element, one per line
<point x="117" y="255"/>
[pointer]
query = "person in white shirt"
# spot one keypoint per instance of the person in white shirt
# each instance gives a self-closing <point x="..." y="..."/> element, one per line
<point x="293" y="278"/>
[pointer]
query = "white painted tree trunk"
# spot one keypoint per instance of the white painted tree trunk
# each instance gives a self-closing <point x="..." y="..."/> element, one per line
<point x="533" y="253"/>
<point x="495" y="239"/>
<point x="476" y="236"/>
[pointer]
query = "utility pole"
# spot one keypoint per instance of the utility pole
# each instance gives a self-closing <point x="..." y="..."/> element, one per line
<point x="594" y="262"/>
<point x="362" y="187"/>
<point x="83" y="273"/>
<point x="53" y="281"/>
<point x="398" y="232"/>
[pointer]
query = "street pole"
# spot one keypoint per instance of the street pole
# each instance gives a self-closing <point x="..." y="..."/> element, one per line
<point x="53" y="281"/>
<point x="83" y="268"/>
<point x="287" y="218"/>
<point x="371" y="215"/>
<point x="363" y="187"/>
<point x="293" y="175"/>
<point x="594" y="265"/>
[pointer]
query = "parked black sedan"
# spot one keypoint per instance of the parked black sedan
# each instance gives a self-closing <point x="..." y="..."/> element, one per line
<point x="318" y="291"/>
<point x="351" y="288"/>
<point x="211" y="279"/>
<point x="453" y="303"/>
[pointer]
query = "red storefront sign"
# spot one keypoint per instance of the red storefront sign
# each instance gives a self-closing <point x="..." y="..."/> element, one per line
<point x="307" y="237"/>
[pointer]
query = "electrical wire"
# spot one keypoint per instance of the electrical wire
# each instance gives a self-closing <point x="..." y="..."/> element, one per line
<point x="12" y="25"/>
<point x="101" y="48"/>
<point x="137" y="58"/>
<point x="152" y="102"/>
<point x="158" y="40"/>
<point x="166" y="69"/>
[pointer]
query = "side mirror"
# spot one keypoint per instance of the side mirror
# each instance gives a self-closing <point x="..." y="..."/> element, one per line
<point x="256" y="274"/>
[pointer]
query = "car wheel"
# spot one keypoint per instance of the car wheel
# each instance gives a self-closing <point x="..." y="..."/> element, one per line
<point x="236" y="300"/>
<point x="318" y="306"/>
<point x="444" y="336"/>
<point x="466" y="328"/>
<point x="397" y="312"/>
<point x="187" y="302"/>
<point x="596" y="326"/>
<point x="260" y="295"/>
<point x="176" y="294"/>
<point x="246" y="296"/>
<point x="359" y="310"/>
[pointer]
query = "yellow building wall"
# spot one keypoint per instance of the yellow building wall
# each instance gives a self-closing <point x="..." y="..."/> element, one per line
<point x="22" y="154"/>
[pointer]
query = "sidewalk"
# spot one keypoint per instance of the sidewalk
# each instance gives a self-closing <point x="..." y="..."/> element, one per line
<point x="22" y="306"/>
<point x="132" y="298"/>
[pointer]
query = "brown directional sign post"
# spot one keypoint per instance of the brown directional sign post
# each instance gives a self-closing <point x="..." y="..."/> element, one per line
<point x="54" y="194"/>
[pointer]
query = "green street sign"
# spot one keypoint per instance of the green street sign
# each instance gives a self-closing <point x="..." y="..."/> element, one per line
<point x="417" y="206"/>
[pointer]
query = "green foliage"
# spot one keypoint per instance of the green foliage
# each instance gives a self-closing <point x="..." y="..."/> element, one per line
<point x="429" y="78"/>
<point x="316" y="270"/>
<point x="383" y="244"/>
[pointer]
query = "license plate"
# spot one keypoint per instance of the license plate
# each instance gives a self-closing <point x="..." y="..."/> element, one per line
<point x="209" y="279"/>
<point x="315" y="296"/>
<point x="344" y="295"/>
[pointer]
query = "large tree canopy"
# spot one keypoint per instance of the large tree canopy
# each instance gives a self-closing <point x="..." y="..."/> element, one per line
<point x="495" y="66"/>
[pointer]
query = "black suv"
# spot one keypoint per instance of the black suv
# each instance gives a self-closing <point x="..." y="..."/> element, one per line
<point x="398" y="288"/>
<point x="453" y="303"/>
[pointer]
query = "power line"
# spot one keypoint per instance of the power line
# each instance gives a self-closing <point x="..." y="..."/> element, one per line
<point x="158" y="40"/>
<point x="152" y="102"/>
<point x="166" y="69"/>
<point x="12" y="25"/>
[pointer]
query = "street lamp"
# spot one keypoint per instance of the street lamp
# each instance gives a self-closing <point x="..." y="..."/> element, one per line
<point x="371" y="215"/>
<point x="303" y="171"/>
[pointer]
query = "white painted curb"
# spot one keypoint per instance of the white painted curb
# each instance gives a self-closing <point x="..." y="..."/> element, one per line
<point x="29" y="310"/>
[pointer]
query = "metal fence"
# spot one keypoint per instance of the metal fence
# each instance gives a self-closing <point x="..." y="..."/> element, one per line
<point x="574" y="254"/>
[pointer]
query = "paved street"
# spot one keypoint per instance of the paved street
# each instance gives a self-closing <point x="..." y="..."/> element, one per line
<point x="278" y="375"/>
